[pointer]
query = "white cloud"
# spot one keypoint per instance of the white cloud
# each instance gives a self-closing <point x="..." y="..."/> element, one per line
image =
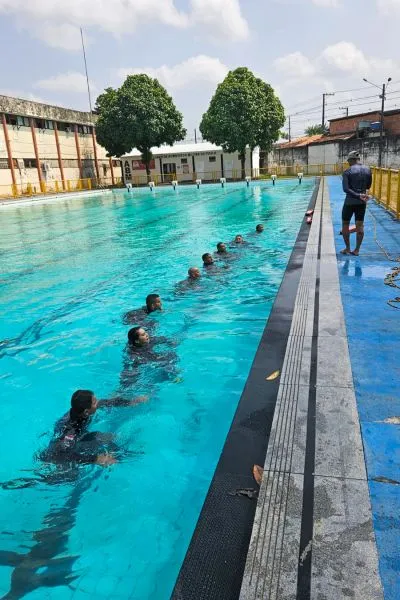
<point x="198" y="69"/>
<point x="344" y="56"/>
<point x="57" y="22"/>
<point x="63" y="36"/>
<point x="295" y="65"/>
<point x="389" y="8"/>
<point x="65" y="82"/>
<point x="327" y="3"/>
<point x="335" y="62"/>
<point x="221" y="17"/>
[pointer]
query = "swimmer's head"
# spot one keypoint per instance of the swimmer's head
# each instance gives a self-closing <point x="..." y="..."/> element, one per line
<point x="259" y="228"/>
<point x="137" y="336"/>
<point x="221" y="248"/>
<point x="194" y="273"/>
<point x="207" y="259"/>
<point x="83" y="403"/>
<point x="239" y="239"/>
<point x="153" y="302"/>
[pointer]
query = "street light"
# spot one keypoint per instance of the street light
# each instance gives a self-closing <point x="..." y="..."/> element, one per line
<point x="383" y="97"/>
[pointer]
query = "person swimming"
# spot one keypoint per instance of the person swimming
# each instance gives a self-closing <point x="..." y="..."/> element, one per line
<point x="259" y="228"/>
<point x="153" y="304"/>
<point x="141" y="351"/>
<point x="72" y="443"/>
<point x="207" y="259"/>
<point x="191" y="282"/>
<point x="221" y="248"/>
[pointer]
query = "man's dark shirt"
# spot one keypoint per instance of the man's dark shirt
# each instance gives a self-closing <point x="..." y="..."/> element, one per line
<point x="356" y="180"/>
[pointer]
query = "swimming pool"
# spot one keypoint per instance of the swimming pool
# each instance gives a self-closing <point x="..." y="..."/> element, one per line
<point x="69" y="270"/>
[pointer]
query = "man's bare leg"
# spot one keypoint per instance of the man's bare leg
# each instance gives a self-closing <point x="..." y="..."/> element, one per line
<point x="346" y="237"/>
<point x="359" y="237"/>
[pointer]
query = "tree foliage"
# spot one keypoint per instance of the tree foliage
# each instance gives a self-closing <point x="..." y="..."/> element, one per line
<point x="244" y="111"/>
<point x="140" y="114"/>
<point x="315" y="130"/>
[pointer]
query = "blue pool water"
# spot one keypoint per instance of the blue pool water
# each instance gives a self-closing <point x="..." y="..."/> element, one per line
<point x="69" y="271"/>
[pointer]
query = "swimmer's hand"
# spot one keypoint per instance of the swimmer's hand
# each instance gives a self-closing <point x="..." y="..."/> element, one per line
<point x="105" y="460"/>
<point x="139" y="400"/>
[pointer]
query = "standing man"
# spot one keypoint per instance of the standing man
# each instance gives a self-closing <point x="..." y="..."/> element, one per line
<point x="356" y="182"/>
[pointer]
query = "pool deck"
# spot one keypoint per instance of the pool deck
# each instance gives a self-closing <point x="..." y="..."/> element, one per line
<point x="313" y="535"/>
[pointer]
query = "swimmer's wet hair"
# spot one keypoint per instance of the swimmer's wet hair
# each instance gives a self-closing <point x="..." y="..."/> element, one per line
<point x="81" y="400"/>
<point x="150" y="299"/>
<point x="133" y="335"/>
<point x="205" y="255"/>
<point x="220" y="244"/>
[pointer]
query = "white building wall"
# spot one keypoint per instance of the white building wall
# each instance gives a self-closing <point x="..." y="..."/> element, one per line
<point x="323" y="154"/>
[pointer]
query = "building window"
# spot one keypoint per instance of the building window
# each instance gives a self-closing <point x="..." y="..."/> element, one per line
<point x="30" y="163"/>
<point x="23" y="121"/>
<point x="3" y="163"/>
<point x="67" y="127"/>
<point x="212" y="159"/>
<point x="184" y="161"/>
<point x="105" y="171"/>
<point x="39" y="123"/>
<point x="48" y="125"/>
<point x="11" y="120"/>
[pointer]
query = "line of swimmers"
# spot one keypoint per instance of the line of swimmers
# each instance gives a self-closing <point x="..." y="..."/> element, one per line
<point x="71" y="443"/>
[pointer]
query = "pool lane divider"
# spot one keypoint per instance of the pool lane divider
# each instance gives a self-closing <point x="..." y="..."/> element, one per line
<point x="215" y="560"/>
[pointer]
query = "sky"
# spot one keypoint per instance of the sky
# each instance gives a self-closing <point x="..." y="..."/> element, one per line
<point x="303" y="48"/>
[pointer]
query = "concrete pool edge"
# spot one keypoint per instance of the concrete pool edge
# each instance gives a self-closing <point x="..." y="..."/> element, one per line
<point x="214" y="563"/>
<point x="44" y="199"/>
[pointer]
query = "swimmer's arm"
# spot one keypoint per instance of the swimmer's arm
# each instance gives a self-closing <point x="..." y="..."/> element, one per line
<point x="120" y="401"/>
<point x="165" y="341"/>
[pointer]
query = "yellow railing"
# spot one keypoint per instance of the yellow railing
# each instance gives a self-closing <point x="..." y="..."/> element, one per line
<point x="386" y="188"/>
<point x="57" y="187"/>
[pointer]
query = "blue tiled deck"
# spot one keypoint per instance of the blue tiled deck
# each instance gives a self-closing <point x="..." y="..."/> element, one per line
<point x="373" y="330"/>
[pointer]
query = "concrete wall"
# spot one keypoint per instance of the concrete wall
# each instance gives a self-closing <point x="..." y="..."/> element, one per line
<point x="323" y="154"/>
<point x="289" y="157"/>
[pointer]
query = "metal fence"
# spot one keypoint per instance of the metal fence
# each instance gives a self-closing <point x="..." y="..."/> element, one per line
<point x="386" y="188"/>
<point x="57" y="187"/>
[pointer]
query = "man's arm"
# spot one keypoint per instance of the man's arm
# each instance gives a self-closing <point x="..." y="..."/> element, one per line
<point x="347" y="189"/>
<point x="120" y="401"/>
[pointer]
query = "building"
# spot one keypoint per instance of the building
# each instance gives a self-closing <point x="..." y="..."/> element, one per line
<point x="44" y="147"/>
<point x="188" y="162"/>
<point x="356" y="132"/>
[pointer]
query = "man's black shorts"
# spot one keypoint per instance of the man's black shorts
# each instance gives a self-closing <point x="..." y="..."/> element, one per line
<point x="358" y="210"/>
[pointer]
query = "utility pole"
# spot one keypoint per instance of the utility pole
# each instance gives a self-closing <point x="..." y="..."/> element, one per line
<point x="382" y="125"/>
<point x="86" y="71"/>
<point x="346" y="108"/>
<point x="195" y="136"/>
<point x="323" y="108"/>
<point x="290" y="131"/>
<point x="382" y="96"/>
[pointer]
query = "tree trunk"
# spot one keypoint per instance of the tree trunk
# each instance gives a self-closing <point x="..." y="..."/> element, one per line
<point x="148" y="172"/>
<point x="147" y="157"/>
<point x="243" y="161"/>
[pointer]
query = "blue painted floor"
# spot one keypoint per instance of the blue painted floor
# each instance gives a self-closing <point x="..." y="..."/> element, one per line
<point x="373" y="330"/>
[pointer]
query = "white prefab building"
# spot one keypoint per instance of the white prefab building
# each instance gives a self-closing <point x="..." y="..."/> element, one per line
<point x="188" y="162"/>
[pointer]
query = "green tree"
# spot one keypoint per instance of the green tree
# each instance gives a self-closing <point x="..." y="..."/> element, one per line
<point x="314" y="130"/>
<point x="244" y="111"/>
<point x="140" y="114"/>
